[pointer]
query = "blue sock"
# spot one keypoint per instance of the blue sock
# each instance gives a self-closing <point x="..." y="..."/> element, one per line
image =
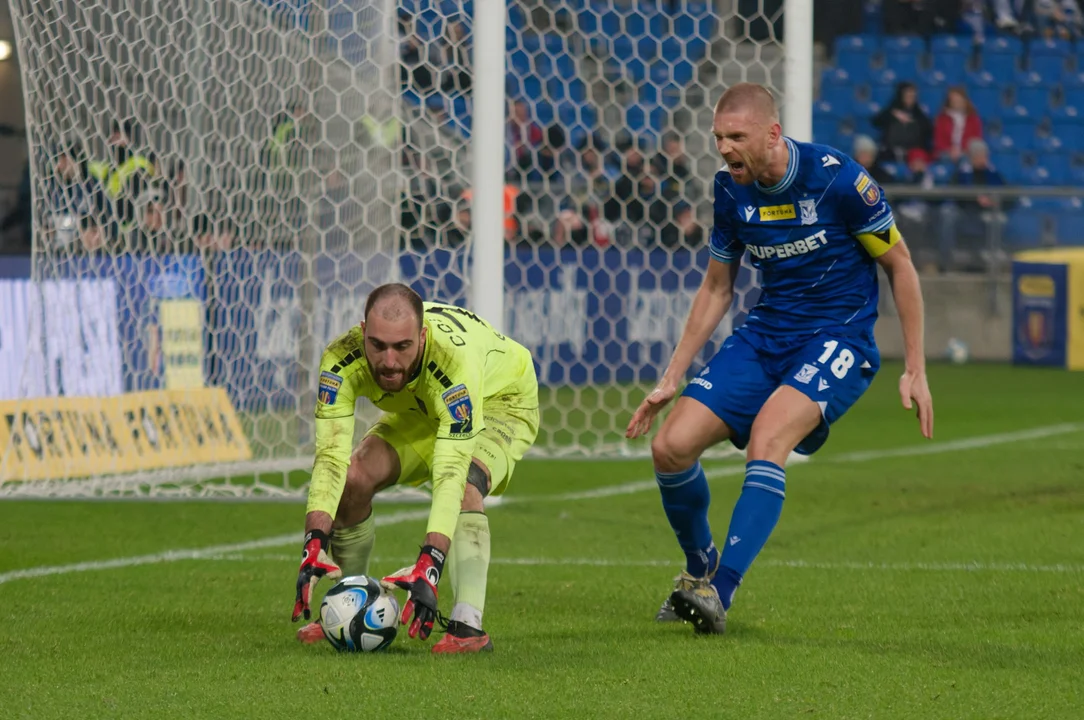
<point x="685" y="498"/>
<point x="754" y="518"/>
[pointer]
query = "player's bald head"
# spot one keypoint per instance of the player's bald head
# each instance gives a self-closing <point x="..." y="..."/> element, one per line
<point x="750" y="98"/>
<point x="393" y="302"/>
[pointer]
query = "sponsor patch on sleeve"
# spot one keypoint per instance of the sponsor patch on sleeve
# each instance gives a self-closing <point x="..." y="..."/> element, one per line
<point x="870" y="192"/>
<point x="329" y="387"/>
<point x="457" y="400"/>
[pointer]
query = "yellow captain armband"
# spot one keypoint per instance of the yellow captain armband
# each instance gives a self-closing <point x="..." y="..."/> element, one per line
<point x="878" y="243"/>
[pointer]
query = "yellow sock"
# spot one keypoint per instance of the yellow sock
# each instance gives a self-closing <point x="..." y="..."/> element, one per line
<point x="351" y="547"/>
<point x="468" y="567"/>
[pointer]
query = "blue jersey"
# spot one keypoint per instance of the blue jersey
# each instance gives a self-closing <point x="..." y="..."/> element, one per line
<point x="814" y="238"/>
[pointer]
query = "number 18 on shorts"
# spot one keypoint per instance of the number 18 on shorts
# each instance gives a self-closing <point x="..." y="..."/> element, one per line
<point x="831" y="371"/>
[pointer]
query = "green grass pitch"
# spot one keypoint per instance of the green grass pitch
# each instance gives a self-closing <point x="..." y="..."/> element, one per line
<point x="947" y="584"/>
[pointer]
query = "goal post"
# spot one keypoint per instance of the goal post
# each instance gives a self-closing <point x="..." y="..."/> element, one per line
<point x="219" y="185"/>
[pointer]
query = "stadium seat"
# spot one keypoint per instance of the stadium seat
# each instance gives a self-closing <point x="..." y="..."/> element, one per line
<point x="942" y="172"/>
<point x="1056" y="165"/>
<point x="883" y="86"/>
<point x="1031" y="91"/>
<point x="899" y="172"/>
<point x="902" y="53"/>
<point x="855" y="50"/>
<point x="1000" y="56"/>
<point x="1070" y="132"/>
<point x="932" y="83"/>
<point x="837" y="87"/>
<point x="1021" y="128"/>
<point x="1074" y="96"/>
<point x="1025" y="225"/>
<point x="1070" y="222"/>
<point x="1049" y="57"/>
<point x="1035" y="175"/>
<point x="1008" y="164"/>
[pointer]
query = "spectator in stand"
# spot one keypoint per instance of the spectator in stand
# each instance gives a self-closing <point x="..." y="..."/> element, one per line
<point x="865" y="154"/>
<point x="522" y="135"/>
<point x="455" y="54"/>
<point x="1051" y="18"/>
<point x="903" y="124"/>
<point x="416" y="69"/>
<point x="913" y="214"/>
<point x="956" y="126"/>
<point x="970" y="219"/>
<point x="683" y="231"/>
<point x="920" y="17"/>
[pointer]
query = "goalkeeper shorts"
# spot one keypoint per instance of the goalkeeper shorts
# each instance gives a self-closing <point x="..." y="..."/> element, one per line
<point x="509" y="433"/>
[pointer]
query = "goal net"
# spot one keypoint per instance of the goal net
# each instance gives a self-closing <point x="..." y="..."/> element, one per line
<point x="218" y="185"/>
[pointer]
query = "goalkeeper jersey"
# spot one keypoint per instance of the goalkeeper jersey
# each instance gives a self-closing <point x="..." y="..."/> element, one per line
<point x="466" y="366"/>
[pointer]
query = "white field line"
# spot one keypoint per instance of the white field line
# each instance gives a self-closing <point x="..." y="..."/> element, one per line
<point x="602" y="492"/>
<point x="798" y="564"/>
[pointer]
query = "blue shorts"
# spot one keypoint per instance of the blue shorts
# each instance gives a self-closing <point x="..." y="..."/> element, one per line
<point x="831" y="370"/>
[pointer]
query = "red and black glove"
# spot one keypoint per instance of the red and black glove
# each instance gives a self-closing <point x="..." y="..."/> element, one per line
<point x="421" y="586"/>
<point x="315" y="564"/>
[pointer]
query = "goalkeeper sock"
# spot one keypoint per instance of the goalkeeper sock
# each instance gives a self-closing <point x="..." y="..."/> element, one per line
<point x="755" y="515"/>
<point x="351" y="547"/>
<point x="685" y="499"/>
<point x="468" y="567"/>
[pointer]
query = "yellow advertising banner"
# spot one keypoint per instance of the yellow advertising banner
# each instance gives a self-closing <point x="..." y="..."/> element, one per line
<point x="182" y="342"/>
<point x="61" y="438"/>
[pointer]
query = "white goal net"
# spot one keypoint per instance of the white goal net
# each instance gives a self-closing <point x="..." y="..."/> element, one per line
<point x="218" y="185"/>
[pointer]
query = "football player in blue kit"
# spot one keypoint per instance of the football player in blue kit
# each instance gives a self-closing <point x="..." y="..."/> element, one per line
<point x="816" y="225"/>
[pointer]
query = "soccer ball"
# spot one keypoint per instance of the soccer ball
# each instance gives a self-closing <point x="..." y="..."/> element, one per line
<point x="358" y="616"/>
<point x="957" y="351"/>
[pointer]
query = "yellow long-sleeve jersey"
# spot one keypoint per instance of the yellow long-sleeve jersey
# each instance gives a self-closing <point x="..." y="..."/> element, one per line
<point x="466" y="365"/>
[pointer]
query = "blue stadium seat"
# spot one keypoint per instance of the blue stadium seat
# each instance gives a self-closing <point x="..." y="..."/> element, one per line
<point x="577" y="90"/>
<point x="1021" y="128"/>
<point x="532" y="86"/>
<point x="672" y="48"/>
<point x="932" y="84"/>
<point x="1050" y="143"/>
<point x="955" y="47"/>
<point x="610" y="24"/>
<point x="1000" y="55"/>
<point x="658" y="25"/>
<point x="903" y="53"/>
<point x="622" y="47"/>
<point x="1070" y="222"/>
<point x="1070" y="132"/>
<point x="636" y="23"/>
<point x="898" y="171"/>
<point x="837" y="87"/>
<point x="883" y="86"/>
<point x="862" y="115"/>
<point x="543" y="112"/>
<point x="553" y="43"/>
<point x="647" y="48"/>
<point x="1025" y="225"/>
<point x="1057" y="166"/>
<point x="530" y="42"/>
<point x="855" y="50"/>
<point x="1031" y="91"/>
<point x="1036" y="175"/>
<point x="587" y="19"/>
<point x="520" y="62"/>
<point x="683" y="72"/>
<point x="1074" y="96"/>
<point x="1076" y="173"/>
<point x="942" y="172"/>
<point x="566" y="66"/>
<point x="1008" y="164"/>
<point x="1048" y="57"/>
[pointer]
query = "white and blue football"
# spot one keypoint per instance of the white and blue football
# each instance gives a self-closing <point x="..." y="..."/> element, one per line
<point x="357" y="615"/>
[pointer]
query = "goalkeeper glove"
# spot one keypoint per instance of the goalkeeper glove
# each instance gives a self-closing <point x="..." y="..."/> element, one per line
<point x="421" y="586"/>
<point x="315" y="564"/>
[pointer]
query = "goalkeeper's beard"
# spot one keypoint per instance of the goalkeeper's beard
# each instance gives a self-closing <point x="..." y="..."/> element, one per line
<point x="390" y="378"/>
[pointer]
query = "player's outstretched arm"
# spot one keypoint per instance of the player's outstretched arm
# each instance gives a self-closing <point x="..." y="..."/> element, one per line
<point x="709" y="306"/>
<point x="907" y="293"/>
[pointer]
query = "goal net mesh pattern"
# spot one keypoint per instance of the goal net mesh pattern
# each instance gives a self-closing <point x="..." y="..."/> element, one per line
<point x="269" y="162"/>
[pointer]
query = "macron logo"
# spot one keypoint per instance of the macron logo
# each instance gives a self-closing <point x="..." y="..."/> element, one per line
<point x="734" y="539"/>
<point x="749" y="210"/>
<point x="822" y="385"/>
<point x="829" y="161"/>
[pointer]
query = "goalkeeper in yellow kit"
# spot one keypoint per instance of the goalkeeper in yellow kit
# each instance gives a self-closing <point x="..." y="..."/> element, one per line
<point x="460" y="404"/>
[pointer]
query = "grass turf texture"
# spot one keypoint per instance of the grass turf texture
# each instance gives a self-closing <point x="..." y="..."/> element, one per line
<point x="860" y="606"/>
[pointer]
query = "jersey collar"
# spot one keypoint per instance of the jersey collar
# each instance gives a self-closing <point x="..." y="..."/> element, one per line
<point x="788" y="177"/>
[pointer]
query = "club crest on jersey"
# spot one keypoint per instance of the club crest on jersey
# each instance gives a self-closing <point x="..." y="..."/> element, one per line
<point x="457" y="400"/>
<point x="868" y="189"/>
<point x="329" y="387"/>
<point x="808" y="209"/>
<point x="806" y="373"/>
